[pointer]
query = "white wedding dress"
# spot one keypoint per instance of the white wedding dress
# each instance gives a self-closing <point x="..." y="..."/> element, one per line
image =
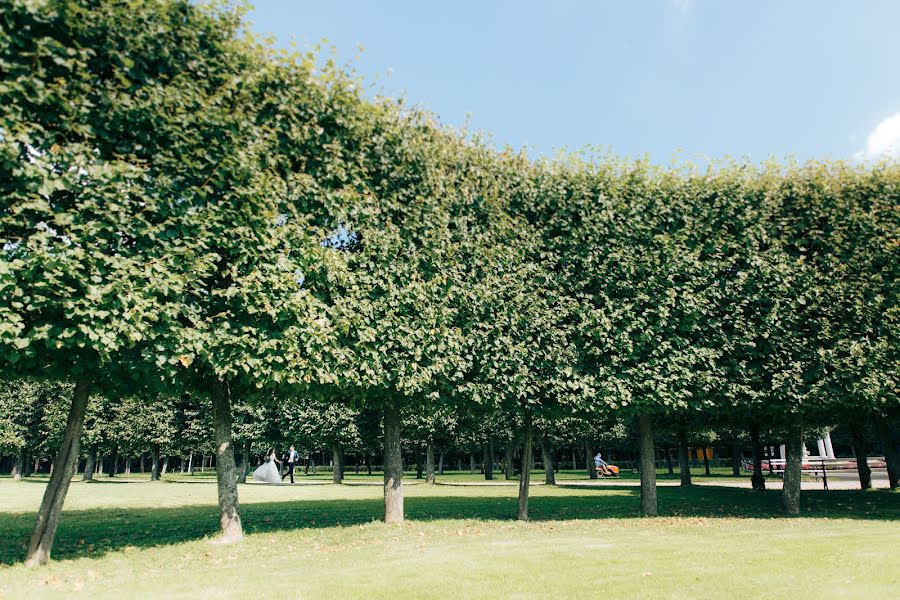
<point x="267" y="472"/>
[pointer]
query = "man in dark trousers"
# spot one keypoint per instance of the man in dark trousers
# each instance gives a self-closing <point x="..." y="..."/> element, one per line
<point x="290" y="459"/>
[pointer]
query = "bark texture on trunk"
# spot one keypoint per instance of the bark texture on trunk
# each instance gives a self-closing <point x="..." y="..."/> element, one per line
<point x="889" y="447"/>
<point x="509" y="468"/>
<point x="589" y="459"/>
<point x="669" y="465"/>
<point x="393" y="466"/>
<point x="525" y="477"/>
<point x="429" y="463"/>
<point x="684" y="464"/>
<point x="793" y="467"/>
<point x="154" y="468"/>
<point x="229" y="507"/>
<point x="648" y="466"/>
<point x="90" y="464"/>
<point x="757" y="479"/>
<point x="858" y="431"/>
<point x="420" y="464"/>
<point x="547" y="458"/>
<point x="245" y="463"/>
<point x="113" y="463"/>
<point x="489" y="461"/>
<point x="337" y="457"/>
<point x="440" y="469"/>
<point x="705" y="461"/>
<point x="55" y="494"/>
<point x="128" y="466"/>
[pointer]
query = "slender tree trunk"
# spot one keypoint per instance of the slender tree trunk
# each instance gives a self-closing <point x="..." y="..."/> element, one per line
<point x="393" y="466"/>
<point x="736" y="459"/>
<point x="589" y="459"/>
<point x="889" y="447"/>
<point x="19" y="466"/>
<point x="154" y="466"/>
<point x="574" y="462"/>
<point x="705" y="461"/>
<point x="429" y="463"/>
<point x="165" y="465"/>
<point x="471" y="462"/>
<point x="858" y="431"/>
<point x="368" y="464"/>
<point x="337" y="457"/>
<point x="509" y="468"/>
<point x="245" y="463"/>
<point x="356" y="465"/>
<point x="793" y="467"/>
<point x="90" y="464"/>
<point x="757" y="479"/>
<point x="525" y="477"/>
<point x="440" y="469"/>
<point x="128" y="466"/>
<point x="488" y="464"/>
<point x="114" y="463"/>
<point x="142" y="463"/>
<point x="648" y="466"/>
<point x="420" y="464"/>
<point x="684" y="464"/>
<point x="190" y="464"/>
<point x="547" y="457"/>
<point x="55" y="494"/>
<point x="230" y="519"/>
<point x="669" y="465"/>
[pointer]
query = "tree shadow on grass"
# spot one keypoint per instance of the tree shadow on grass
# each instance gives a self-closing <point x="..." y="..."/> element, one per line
<point x="93" y="533"/>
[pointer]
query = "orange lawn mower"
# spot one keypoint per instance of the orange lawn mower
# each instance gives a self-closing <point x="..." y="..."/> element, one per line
<point x="613" y="471"/>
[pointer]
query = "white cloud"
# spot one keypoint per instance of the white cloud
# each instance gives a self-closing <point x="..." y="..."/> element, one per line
<point x="683" y="5"/>
<point x="883" y="141"/>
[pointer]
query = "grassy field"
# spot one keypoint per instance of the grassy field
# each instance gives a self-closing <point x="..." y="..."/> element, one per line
<point x="137" y="539"/>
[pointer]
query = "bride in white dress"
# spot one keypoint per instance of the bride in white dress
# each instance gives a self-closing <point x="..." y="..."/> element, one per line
<point x="267" y="471"/>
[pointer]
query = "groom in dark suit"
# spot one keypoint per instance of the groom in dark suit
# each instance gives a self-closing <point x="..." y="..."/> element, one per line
<point x="290" y="459"/>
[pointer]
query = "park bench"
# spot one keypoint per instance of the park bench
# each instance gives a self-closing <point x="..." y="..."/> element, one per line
<point x="818" y="466"/>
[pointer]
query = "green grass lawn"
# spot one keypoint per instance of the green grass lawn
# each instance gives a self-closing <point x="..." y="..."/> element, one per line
<point x="123" y="539"/>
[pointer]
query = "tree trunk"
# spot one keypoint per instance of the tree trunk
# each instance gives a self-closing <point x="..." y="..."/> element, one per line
<point x="509" y="469"/>
<point x="684" y="464"/>
<point x="128" y="466"/>
<point x="471" y="462"/>
<point x="230" y="519"/>
<point x="154" y="466"/>
<point x="165" y="465"/>
<point x="245" y="463"/>
<point x="525" y="477"/>
<point x="488" y="464"/>
<point x="858" y="432"/>
<point x="574" y="462"/>
<point x="142" y="462"/>
<point x="190" y="464"/>
<point x="589" y="461"/>
<point x="368" y="464"/>
<point x="55" y="494"/>
<point x="705" y="461"/>
<point x="669" y="465"/>
<point x="429" y="463"/>
<point x="440" y="469"/>
<point x="420" y="464"/>
<point x="113" y="463"/>
<point x="757" y="479"/>
<point x="337" y="457"/>
<point x="19" y="466"/>
<point x="793" y="467"/>
<point x="356" y="465"/>
<point x="547" y="457"/>
<point x="648" y="466"/>
<point x="889" y="447"/>
<point x="393" y="466"/>
<point x="736" y="459"/>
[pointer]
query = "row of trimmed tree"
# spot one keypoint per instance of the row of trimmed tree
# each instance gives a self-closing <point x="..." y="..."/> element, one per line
<point x="187" y="213"/>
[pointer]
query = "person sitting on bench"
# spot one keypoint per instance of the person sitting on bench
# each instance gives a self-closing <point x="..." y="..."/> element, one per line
<point x="601" y="465"/>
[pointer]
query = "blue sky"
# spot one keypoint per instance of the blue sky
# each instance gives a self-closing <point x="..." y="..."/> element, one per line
<point x="699" y="78"/>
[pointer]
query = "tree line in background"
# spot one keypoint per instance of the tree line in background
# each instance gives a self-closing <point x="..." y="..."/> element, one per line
<point x="203" y="237"/>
